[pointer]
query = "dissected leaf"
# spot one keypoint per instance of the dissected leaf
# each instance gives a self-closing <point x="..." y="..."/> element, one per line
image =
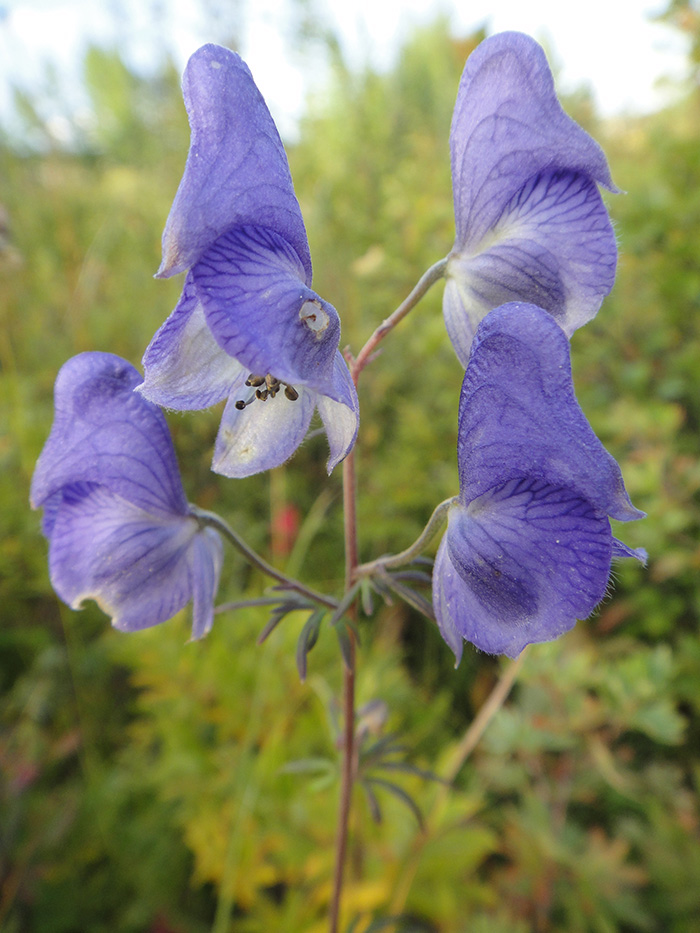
<point x="307" y="639"/>
<point x="401" y="795"/>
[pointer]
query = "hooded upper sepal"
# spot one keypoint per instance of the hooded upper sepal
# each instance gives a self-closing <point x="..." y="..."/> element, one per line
<point x="104" y="433"/>
<point x="236" y="172"/>
<point x="518" y="414"/>
<point x="508" y="128"/>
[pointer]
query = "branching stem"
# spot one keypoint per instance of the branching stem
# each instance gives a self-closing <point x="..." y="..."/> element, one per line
<point x="429" y="278"/>
<point x="349" y="760"/>
<point x="212" y="520"/>
<point x="435" y="523"/>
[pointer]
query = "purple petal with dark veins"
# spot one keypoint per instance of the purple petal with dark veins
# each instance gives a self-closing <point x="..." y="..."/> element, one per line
<point x="450" y="600"/>
<point x="119" y="529"/>
<point x="340" y="413"/>
<point x="260" y="311"/>
<point x="553" y="245"/>
<point x="185" y="368"/>
<point x="529" y="546"/>
<point x="508" y="127"/>
<point x="236" y="171"/>
<point x="136" y="567"/>
<point x="52" y="504"/>
<point x="104" y="432"/>
<point x="263" y="435"/>
<point x="518" y="415"/>
<point x="532" y="559"/>
<point x="206" y="557"/>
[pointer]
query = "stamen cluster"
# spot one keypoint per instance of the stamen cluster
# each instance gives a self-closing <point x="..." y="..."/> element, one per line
<point x="272" y="386"/>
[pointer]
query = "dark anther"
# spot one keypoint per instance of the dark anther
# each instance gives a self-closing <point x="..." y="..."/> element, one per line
<point x="272" y="384"/>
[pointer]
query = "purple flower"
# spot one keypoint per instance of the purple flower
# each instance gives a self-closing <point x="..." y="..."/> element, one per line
<point x="531" y="224"/>
<point x="119" y="528"/>
<point x="247" y="327"/>
<point x="528" y="548"/>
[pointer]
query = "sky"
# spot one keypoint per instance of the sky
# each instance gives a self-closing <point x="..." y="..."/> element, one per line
<point x="613" y="46"/>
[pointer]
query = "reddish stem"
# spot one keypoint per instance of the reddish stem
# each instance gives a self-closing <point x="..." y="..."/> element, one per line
<point x="349" y="763"/>
<point x="429" y="278"/>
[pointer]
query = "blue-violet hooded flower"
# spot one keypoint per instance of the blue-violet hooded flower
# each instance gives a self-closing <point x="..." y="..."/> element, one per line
<point x="119" y="528"/>
<point x="247" y="327"/>
<point x="528" y="548"/>
<point x="531" y="224"/>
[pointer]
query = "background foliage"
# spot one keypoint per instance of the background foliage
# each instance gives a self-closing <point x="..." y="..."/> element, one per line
<point x="152" y="785"/>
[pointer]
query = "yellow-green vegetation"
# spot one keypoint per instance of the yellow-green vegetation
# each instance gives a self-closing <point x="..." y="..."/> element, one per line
<point x="153" y="785"/>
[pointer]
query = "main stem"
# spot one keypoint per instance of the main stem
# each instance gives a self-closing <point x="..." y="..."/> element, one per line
<point x="349" y="762"/>
<point x="348" y="767"/>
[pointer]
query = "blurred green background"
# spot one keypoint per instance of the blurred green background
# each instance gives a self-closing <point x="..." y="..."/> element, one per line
<point x="152" y="785"/>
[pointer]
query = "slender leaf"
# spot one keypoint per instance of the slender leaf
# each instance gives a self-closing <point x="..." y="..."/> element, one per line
<point x="372" y="802"/>
<point x="414" y="576"/>
<point x="247" y="603"/>
<point x="382" y="590"/>
<point x="384" y="746"/>
<point x="311" y="765"/>
<point x="408" y="768"/>
<point x="307" y="640"/>
<point x="401" y="795"/>
<point x="271" y="625"/>
<point x="366" y="597"/>
<point x="420" y="603"/>
<point x="345" y="646"/>
<point x="383" y="923"/>
<point x="345" y="603"/>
